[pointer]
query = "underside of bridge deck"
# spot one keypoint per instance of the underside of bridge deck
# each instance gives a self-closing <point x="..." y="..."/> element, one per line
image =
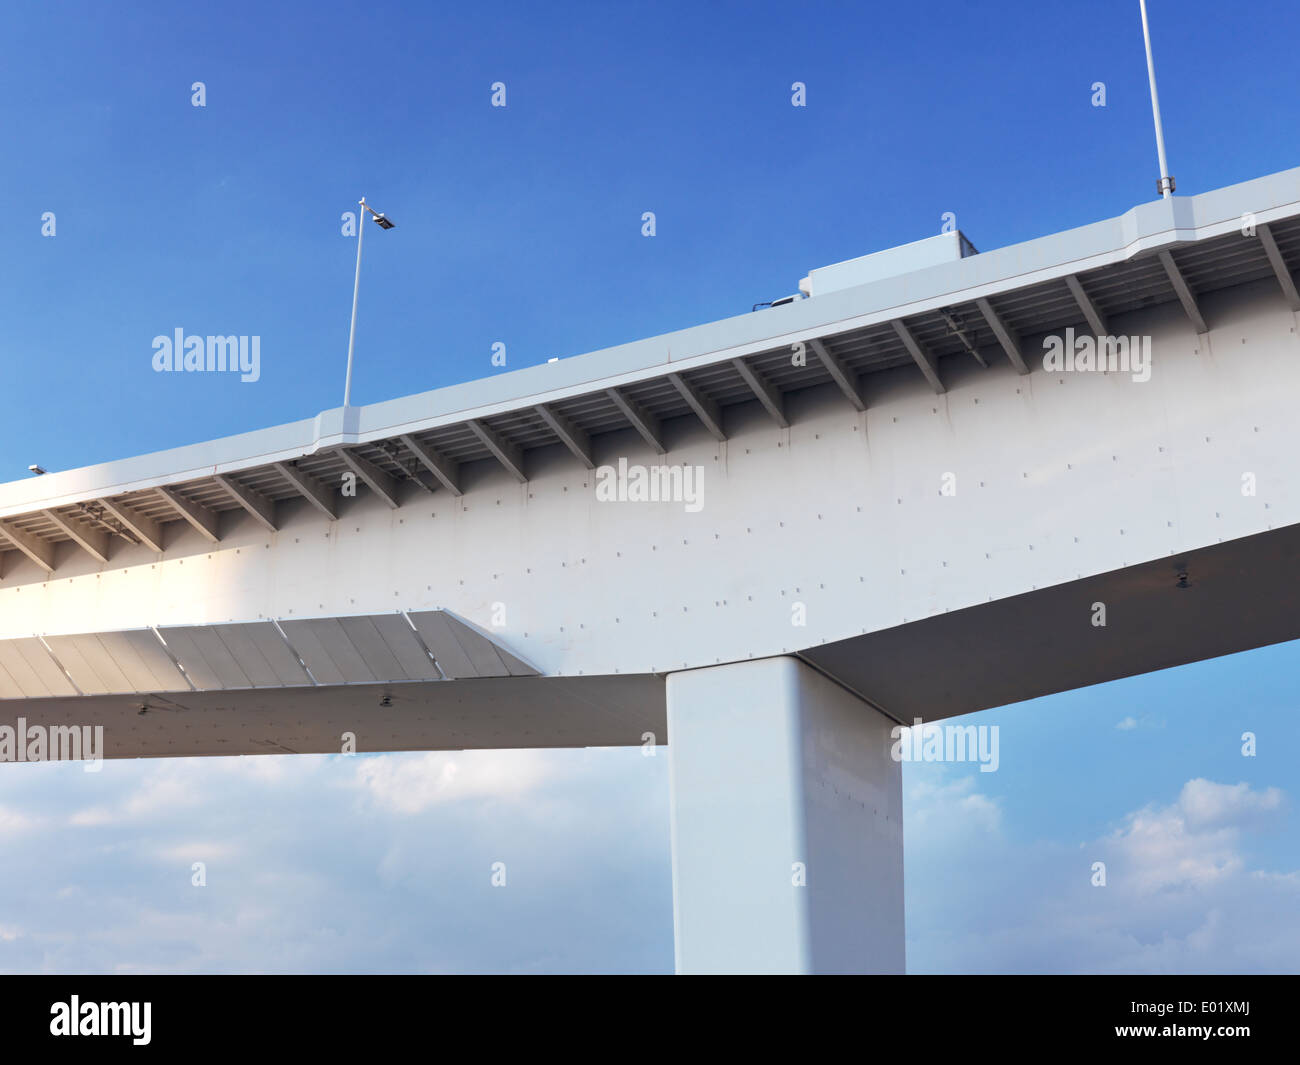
<point x="1219" y="600"/>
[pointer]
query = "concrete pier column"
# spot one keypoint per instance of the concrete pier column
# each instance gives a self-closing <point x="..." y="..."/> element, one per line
<point x="787" y="830"/>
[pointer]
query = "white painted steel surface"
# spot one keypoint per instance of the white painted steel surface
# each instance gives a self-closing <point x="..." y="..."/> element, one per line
<point x="787" y="824"/>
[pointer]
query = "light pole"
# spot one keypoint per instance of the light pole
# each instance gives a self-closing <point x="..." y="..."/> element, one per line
<point x="382" y="221"/>
<point x="1166" y="183"/>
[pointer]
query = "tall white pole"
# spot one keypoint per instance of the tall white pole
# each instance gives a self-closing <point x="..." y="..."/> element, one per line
<point x="356" y="289"/>
<point x="1166" y="184"/>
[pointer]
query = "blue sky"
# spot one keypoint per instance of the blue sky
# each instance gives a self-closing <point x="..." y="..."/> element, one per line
<point x="522" y="225"/>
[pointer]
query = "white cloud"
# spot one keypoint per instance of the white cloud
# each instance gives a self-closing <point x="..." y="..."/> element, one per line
<point x="344" y="864"/>
<point x="165" y="790"/>
<point x="1157" y="849"/>
<point x="409" y="784"/>
<point x="13" y="822"/>
<point x="1204" y="803"/>
<point x="1181" y="895"/>
<point x="187" y="853"/>
<point x="1195" y="840"/>
<point x="954" y="807"/>
<point x="1129" y="723"/>
<point x="91" y="817"/>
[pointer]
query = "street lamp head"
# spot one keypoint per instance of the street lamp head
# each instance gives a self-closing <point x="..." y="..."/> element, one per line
<point x="383" y="222"/>
<point x="36" y="469"/>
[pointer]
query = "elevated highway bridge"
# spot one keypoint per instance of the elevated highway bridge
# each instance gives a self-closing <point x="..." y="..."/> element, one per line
<point x="903" y="513"/>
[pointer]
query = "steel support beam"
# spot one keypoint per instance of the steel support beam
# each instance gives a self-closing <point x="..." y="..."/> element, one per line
<point x="1280" y="268"/>
<point x="506" y="453"/>
<point x="772" y="400"/>
<point x="141" y="526"/>
<point x="39" y="551"/>
<point x="259" y="506"/>
<point x="93" y="541"/>
<point x="384" y="486"/>
<point x="843" y="377"/>
<point x="1006" y="336"/>
<point x="705" y="409"/>
<point x="1185" y="295"/>
<point x="315" y="492"/>
<point x="923" y="359"/>
<point x="443" y="468"/>
<point x="572" y="437"/>
<point x="642" y="420"/>
<point x="1096" y="320"/>
<point x="200" y="517"/>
